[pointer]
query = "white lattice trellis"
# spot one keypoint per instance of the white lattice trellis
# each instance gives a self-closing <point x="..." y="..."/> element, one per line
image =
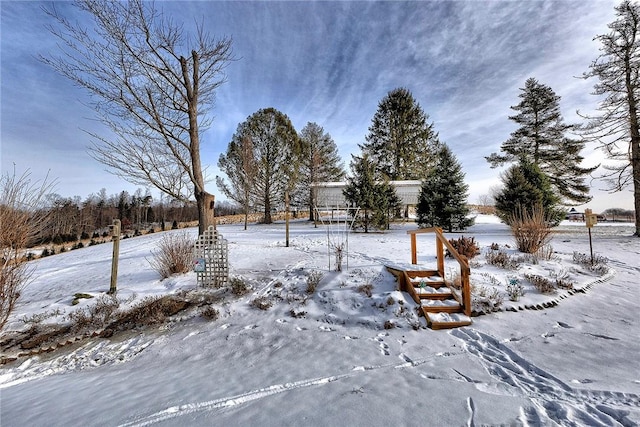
<point x="211" y="259"/>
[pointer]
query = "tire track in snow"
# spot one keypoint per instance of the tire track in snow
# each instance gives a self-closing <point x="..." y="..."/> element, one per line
<point x="553" y="400"/>
<point x="226" y="402"/>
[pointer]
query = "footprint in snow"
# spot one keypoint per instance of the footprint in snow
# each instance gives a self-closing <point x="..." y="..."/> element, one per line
<point x="325" y="329"/>
<point x="298" y="328"/>
<point x="281" y="321"/>
<point x="405" y="358"/>
<point x="584" y="381"/>
<point x="250" y="327"/>
<point x="564" y="325"/>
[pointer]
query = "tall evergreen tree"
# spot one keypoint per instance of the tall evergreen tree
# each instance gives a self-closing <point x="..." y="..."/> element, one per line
<point x="541" y="139"/>
<point x="400" y="141"/>
<point x="443" y="196"/>
<point x="374" y="197"/>
<point x="525" y="189"/>
<point x="617" y="127"/>
<point x="276" y="150"/>
<point x="320" y="162"/>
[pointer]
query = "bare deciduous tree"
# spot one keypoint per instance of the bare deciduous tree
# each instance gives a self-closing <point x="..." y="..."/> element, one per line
<point x="21" y="221"/>
<point x="617" y="127"/>
<point x="151" y="86"/>
<point x="241" y="168"/>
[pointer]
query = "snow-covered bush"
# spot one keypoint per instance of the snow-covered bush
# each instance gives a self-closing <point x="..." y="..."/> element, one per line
<point x="542" y="284"/>
<point x="485" y="299"/>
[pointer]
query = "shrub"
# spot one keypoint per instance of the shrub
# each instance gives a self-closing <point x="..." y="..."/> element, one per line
<point x="542" y="284"/>
<point x="530" y="229"/>
<point x="366" y="289"/>
<point x="238" y="286"/>
<point x="313" y="280"/>
<point x="388" y="324"/>
<point x="96" y="315"/>
<point x="151" y="310"/>
<point x="209" y="313"/>
<point x="598" y="266"/>
<point x="501" y="259"/>
<point x="485" y="299"/>
<point x="464" y="246"/>
<point x="21" y="224"/>
<point x="262" y="303"/>
<point x="174" y="255"/>
<point x="514" y="289"/>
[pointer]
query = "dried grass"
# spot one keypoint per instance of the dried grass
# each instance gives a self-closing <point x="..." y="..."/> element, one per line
<point x="174" y="254"/>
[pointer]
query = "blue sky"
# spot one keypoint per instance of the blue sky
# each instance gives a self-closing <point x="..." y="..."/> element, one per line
<point x="331" y="63"/>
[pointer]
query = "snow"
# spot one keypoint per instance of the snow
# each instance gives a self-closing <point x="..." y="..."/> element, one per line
<point x="334" y="363"/>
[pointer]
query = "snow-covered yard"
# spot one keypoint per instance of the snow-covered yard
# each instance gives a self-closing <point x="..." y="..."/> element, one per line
<point x="326" y="359"/>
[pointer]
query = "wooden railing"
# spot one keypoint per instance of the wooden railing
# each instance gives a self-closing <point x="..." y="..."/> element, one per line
<point x="441" y="243"/>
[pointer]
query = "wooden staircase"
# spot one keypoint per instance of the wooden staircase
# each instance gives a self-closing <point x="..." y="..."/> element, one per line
<point x="442" y="305"/>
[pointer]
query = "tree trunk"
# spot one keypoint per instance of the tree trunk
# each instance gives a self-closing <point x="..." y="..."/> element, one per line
<point x="635" y="139"/>
<point x="206" y="215"/>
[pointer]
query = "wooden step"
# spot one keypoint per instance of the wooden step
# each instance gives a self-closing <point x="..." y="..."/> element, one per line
<point x="440" y="306"/>
<point x="447" y="320"/>
<point x="428" y="292"/>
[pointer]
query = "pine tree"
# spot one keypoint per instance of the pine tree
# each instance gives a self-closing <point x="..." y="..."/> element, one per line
<point x="617" y="127"/>
<point x="400" y="142"/>
<point x="320" y="162"/>
<point x="375" y="198"/>
<point x="443" y="196"/>
<point x="525" y="189"/>
<point x="541" y="139"/>
<point x="388" y="203"/>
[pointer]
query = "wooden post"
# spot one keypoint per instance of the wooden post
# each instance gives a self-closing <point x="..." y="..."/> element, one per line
<point x="286" y="217"/>
<point x="414" y="254"/>
<point x="116" y="253"/>
<point x="440" y="251"/>
<point x="590" y="220"/>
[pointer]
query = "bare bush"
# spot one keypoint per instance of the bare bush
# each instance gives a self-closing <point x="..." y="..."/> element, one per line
<point x="501" y="259"/>
<point x="313" y="280"/>
<point x="366" y="289"/>
<point x="22" y="219"/>
<point x="174" y="254"/>
<point x="239" y="286"/>
<point x="466" y="246"/>
<point x="542" y="284"/>
<point x="262" y="303"/>
<point x="209" y="313"/>
<point x="530" y="229"/>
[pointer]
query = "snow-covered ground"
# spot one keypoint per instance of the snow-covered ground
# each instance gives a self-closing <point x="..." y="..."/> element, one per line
<point x="326" y="359"/>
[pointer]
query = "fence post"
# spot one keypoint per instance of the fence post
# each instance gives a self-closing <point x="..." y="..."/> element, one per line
<point x="115" y="236"/>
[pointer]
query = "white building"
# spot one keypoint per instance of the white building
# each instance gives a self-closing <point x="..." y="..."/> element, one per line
<point x="329" y="194"/>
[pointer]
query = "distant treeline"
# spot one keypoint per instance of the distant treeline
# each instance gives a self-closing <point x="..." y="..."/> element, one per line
<point x="70" y="219"/>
